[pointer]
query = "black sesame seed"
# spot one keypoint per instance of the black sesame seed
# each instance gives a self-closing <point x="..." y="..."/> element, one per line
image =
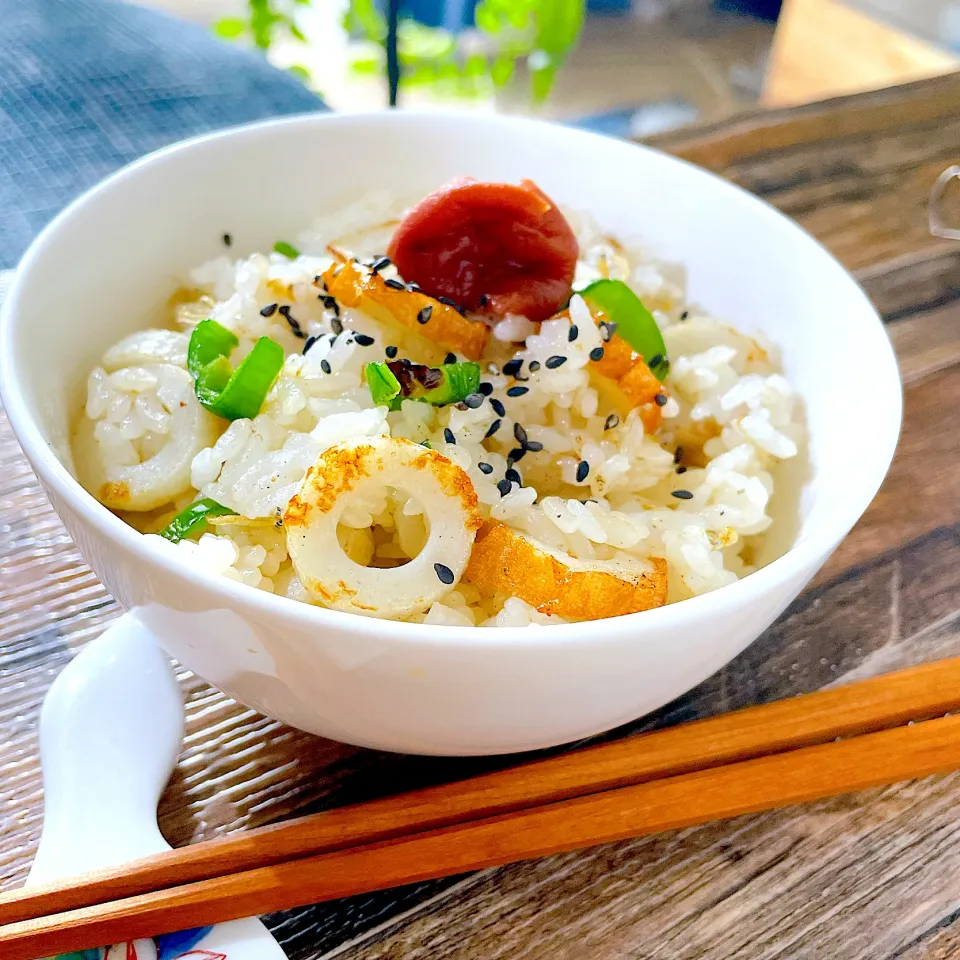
<point x="424" y="315"/>
<point x="583" y="468"/>
<point x="295" y="327"/>
<point x="379" y="264"/>
<point x="681" y="494"/>
<point x="573" y="333"/>
<point x="516" y="455"/>
<point x="269" y="310"/>
<point x="227" y="240"/>
<point x="512" y="367"/>
<point x="452" y="303"/>
<point x="513" y="476"/>
<point x="448" y="435"/>
<point x="504" y="487"/>
<point x="534" y="446"/>
<point x="534" y="366"/>
<point x="310" y="342"/>
<point x="655" y="360"/>
<point x="681" y="469"/>
<point x="517" y="391"/>
<point x="450" y="358"/>
<point x="413" y="287"/>
<point x="607" y="330"/>
<point x="444" y="573"/>
<point x="484" y="468"/>
<point x="551" y="363"/>
<point x="612" y="421"/>
<point x="483" y="300"/>
<point x="498" y="407"/>
<point x="473" y="400"/>
<point x="678" y="455"/>
<point x="660" y="399"/>
<point x="485" y="388"/>
<point x="596" y="353"/>
<point x="325" y="365"/>
<point x="391" y="352"/>
<point x="395" y="284"/>
<point x="336" y="325"/>
<point x="685" y="314"/>
<point x="363" y="339"/>
<point x="492" y="429"/>
<point x="329" y="303"/>
<point x="520" y="434"/>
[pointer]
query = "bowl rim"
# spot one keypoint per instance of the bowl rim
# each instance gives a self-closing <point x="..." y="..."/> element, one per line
<point x="263" y="605"/>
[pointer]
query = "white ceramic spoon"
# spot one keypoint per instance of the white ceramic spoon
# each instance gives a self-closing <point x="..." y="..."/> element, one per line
<point x="110" y="734"/>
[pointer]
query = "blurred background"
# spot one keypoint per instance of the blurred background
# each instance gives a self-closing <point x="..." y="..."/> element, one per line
<point x="626" y="67"/>
<point x="88" y="85"/>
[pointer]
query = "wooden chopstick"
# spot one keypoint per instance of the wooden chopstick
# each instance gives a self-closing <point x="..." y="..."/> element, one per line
<point x="918" y="693"/>
<point x="729" y="790"/>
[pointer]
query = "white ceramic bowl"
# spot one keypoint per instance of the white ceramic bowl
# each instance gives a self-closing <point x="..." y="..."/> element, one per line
<point x="432" y="689"/>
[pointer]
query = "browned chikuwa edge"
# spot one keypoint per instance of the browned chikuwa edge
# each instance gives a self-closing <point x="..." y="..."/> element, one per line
<point x="855" y="172"/>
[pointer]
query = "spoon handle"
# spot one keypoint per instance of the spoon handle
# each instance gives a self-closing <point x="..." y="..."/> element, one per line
<point x="110" y="733"/>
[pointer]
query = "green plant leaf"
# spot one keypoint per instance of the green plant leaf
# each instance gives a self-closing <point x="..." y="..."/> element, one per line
<point x="229" y="28"/>
<point x="475" y="66"/>
<point x="502" y="70"/>
<point x="296" y="32"/>
<point x="427" y="43"/>
<point x="486" y="19"/>
<point x="365" y="66"/>
<point x="364" y="18"/>
<point x="559" y="23"/>
<point x="541" y="82"/>
<point x="299" y="71"/>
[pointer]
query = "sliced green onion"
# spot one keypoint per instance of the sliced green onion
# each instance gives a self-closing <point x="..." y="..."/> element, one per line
<point x="286" y="249"/>
<point x="211" y="380"/>
<point x="462" y="379"/>
<point x="635" y="323"/>
<point x="248" y="386"/>
<point x="193" y="520"/>
<point x="208" y="341"/>
<point x="231" y="394"/>
<point x="384" y="386"/>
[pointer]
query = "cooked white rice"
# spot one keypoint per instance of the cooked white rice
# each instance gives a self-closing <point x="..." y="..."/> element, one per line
<point x="726" y="398"/>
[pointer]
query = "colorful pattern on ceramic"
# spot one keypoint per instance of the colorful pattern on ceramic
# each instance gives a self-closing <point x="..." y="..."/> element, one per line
<point x="169" y="946"/>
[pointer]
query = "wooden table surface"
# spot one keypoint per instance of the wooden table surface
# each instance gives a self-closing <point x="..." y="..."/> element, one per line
<point x="826" y="48"/>
<point x="873" y="875"/>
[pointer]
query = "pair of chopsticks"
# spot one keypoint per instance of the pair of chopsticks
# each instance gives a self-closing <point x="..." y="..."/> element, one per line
<point x="743" y="762"/>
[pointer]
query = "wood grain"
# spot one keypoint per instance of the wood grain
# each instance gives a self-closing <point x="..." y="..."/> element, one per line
<point x="916" y="694"/>
<point x="811" y="773"/>
<point x="865" y="877"/>
<point x="823" y="48"/>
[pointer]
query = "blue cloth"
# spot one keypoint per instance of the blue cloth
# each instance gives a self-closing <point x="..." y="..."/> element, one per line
<point x="89" y="85"/>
